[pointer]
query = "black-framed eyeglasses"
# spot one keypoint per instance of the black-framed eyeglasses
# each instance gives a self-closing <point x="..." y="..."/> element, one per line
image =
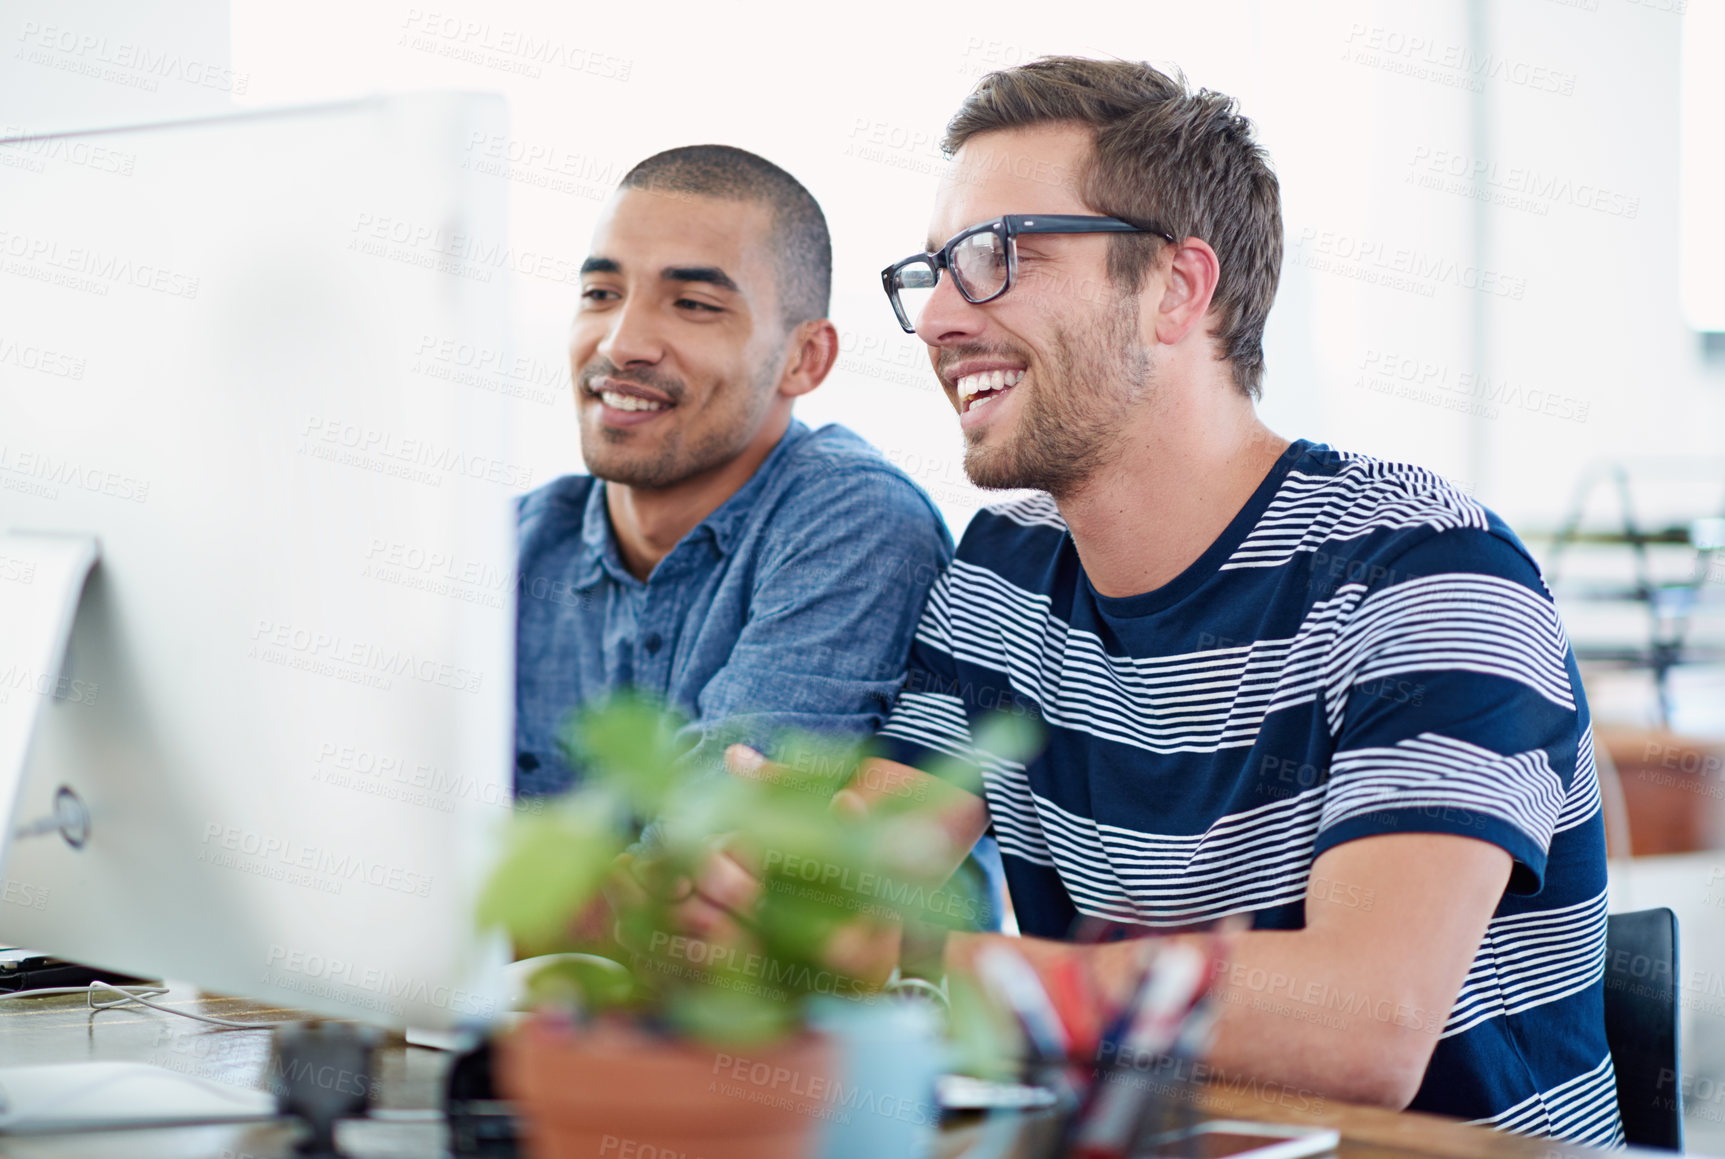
<point x="983" y="259"/>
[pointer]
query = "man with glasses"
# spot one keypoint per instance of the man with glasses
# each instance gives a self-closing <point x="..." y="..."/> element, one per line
<point x="756" y="574"/>
<point x="1322" y="693"/>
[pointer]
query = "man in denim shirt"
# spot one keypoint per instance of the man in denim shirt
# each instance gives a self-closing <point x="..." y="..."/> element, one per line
<point x="757" y="575"/>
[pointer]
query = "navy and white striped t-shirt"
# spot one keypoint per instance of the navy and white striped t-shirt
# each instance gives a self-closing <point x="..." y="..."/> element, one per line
<point x="1365" y="650"/>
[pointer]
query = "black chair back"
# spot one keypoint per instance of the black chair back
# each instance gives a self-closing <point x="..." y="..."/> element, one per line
<point x="1641" y="1022"/>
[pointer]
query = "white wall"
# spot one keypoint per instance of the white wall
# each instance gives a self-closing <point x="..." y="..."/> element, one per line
<point x="1356" y="101"/>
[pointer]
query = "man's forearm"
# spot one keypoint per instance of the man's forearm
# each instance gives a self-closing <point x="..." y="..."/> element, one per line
<point x="1292" y="1008"/>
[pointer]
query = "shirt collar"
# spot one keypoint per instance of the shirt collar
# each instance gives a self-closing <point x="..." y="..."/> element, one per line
<point x="599" y="554"/>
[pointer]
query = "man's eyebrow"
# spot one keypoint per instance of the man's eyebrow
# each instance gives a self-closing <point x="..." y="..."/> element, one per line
<point x="600" y="266"/>
<point x="712" y="275"/>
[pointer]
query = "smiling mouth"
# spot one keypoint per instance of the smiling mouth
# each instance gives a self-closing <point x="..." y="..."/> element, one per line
<point x="617" y="400"/>
<point x="976" y="391"/>
<point x="616" y="396"/>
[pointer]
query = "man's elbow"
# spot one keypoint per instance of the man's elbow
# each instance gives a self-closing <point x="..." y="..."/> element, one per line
<point x="1387" y="1068"/>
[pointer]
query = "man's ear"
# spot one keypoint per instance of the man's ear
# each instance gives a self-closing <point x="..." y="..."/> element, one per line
<point x="1187" y="289"/>
<point x="813" y="350"/>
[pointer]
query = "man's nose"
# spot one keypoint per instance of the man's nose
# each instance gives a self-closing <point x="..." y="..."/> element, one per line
<point x="946" y="316"/>
<point x="631" y="336"/>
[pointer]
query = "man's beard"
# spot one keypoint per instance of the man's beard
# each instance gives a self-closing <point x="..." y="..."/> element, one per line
<point x="1069" y="426"/>
<point x="609" y="455"/>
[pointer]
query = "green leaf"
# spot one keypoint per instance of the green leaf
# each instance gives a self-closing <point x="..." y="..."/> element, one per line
<point x="552" y="869"/>
<point x="730" y="1017"/>
<point x="1010" y="737"/>
<point x="583" y="982"/>
<point x="630" y="744"/>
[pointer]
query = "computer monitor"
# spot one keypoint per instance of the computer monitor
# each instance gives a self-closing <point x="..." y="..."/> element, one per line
<point x="285" y="704"/>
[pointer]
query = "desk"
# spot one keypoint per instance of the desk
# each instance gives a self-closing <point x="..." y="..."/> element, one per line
<point x="410" y="1078"/>
<point x="1367" y="1132"/>
<point x="47" y="1030"/>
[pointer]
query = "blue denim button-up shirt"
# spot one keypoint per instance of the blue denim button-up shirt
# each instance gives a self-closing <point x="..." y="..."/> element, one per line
<point x="790" y="607"/>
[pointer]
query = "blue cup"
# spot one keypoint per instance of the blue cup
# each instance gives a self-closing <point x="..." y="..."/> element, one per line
<point x="882" y="1101"/>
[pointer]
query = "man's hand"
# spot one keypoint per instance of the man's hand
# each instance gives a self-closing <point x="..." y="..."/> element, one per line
<point x="722" y="898"/>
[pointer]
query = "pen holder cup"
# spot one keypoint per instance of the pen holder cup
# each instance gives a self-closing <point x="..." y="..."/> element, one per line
<point x="882" y="1100"/>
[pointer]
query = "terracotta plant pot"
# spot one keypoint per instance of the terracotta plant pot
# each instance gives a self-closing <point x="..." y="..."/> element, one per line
<point x="611" y="1092"/>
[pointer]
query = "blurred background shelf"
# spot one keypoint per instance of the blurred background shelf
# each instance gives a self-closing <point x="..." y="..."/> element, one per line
<point x="1638" y="567"/>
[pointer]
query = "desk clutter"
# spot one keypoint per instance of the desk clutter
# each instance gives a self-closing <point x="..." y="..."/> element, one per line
<point x="1076" y="1078"/>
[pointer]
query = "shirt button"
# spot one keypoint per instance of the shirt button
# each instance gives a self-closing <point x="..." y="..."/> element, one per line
<point x="653" y="642"/>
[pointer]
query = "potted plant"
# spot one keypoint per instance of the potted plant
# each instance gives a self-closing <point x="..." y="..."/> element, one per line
<point x="652" y="1037"/>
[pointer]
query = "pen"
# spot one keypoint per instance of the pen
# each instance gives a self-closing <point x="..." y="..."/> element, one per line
<point x="1177" y="978"/>
<point x="1015" y="982"/>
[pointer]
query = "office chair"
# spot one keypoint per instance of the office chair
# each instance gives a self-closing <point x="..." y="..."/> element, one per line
<point x="1641" y="1025"/>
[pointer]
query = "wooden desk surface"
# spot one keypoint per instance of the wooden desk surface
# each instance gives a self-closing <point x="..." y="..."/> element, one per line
<point x="1367" y="1132"/>
<point x="409" y="1078"/>
<point x="47" y="1030"/>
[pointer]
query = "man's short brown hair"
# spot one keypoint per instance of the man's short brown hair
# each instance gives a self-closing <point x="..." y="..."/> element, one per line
<point x="1160" y="153"/>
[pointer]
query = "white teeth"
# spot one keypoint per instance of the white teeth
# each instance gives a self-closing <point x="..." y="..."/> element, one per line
<point x="617" y="400"/>
<point x="972" y="384"/>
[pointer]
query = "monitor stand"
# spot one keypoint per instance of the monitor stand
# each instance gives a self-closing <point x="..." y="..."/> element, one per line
<point x="39" y="599"/>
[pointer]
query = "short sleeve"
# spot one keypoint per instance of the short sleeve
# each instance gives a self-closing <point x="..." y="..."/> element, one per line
<point x="1455" y="704"/>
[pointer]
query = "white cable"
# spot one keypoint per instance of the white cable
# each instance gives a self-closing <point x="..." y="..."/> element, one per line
<point x="142" y="995"/>
<point x="139" y="995"/>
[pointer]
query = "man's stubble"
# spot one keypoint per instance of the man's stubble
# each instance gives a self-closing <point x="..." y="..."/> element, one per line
<point x="1070" y="425"/>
